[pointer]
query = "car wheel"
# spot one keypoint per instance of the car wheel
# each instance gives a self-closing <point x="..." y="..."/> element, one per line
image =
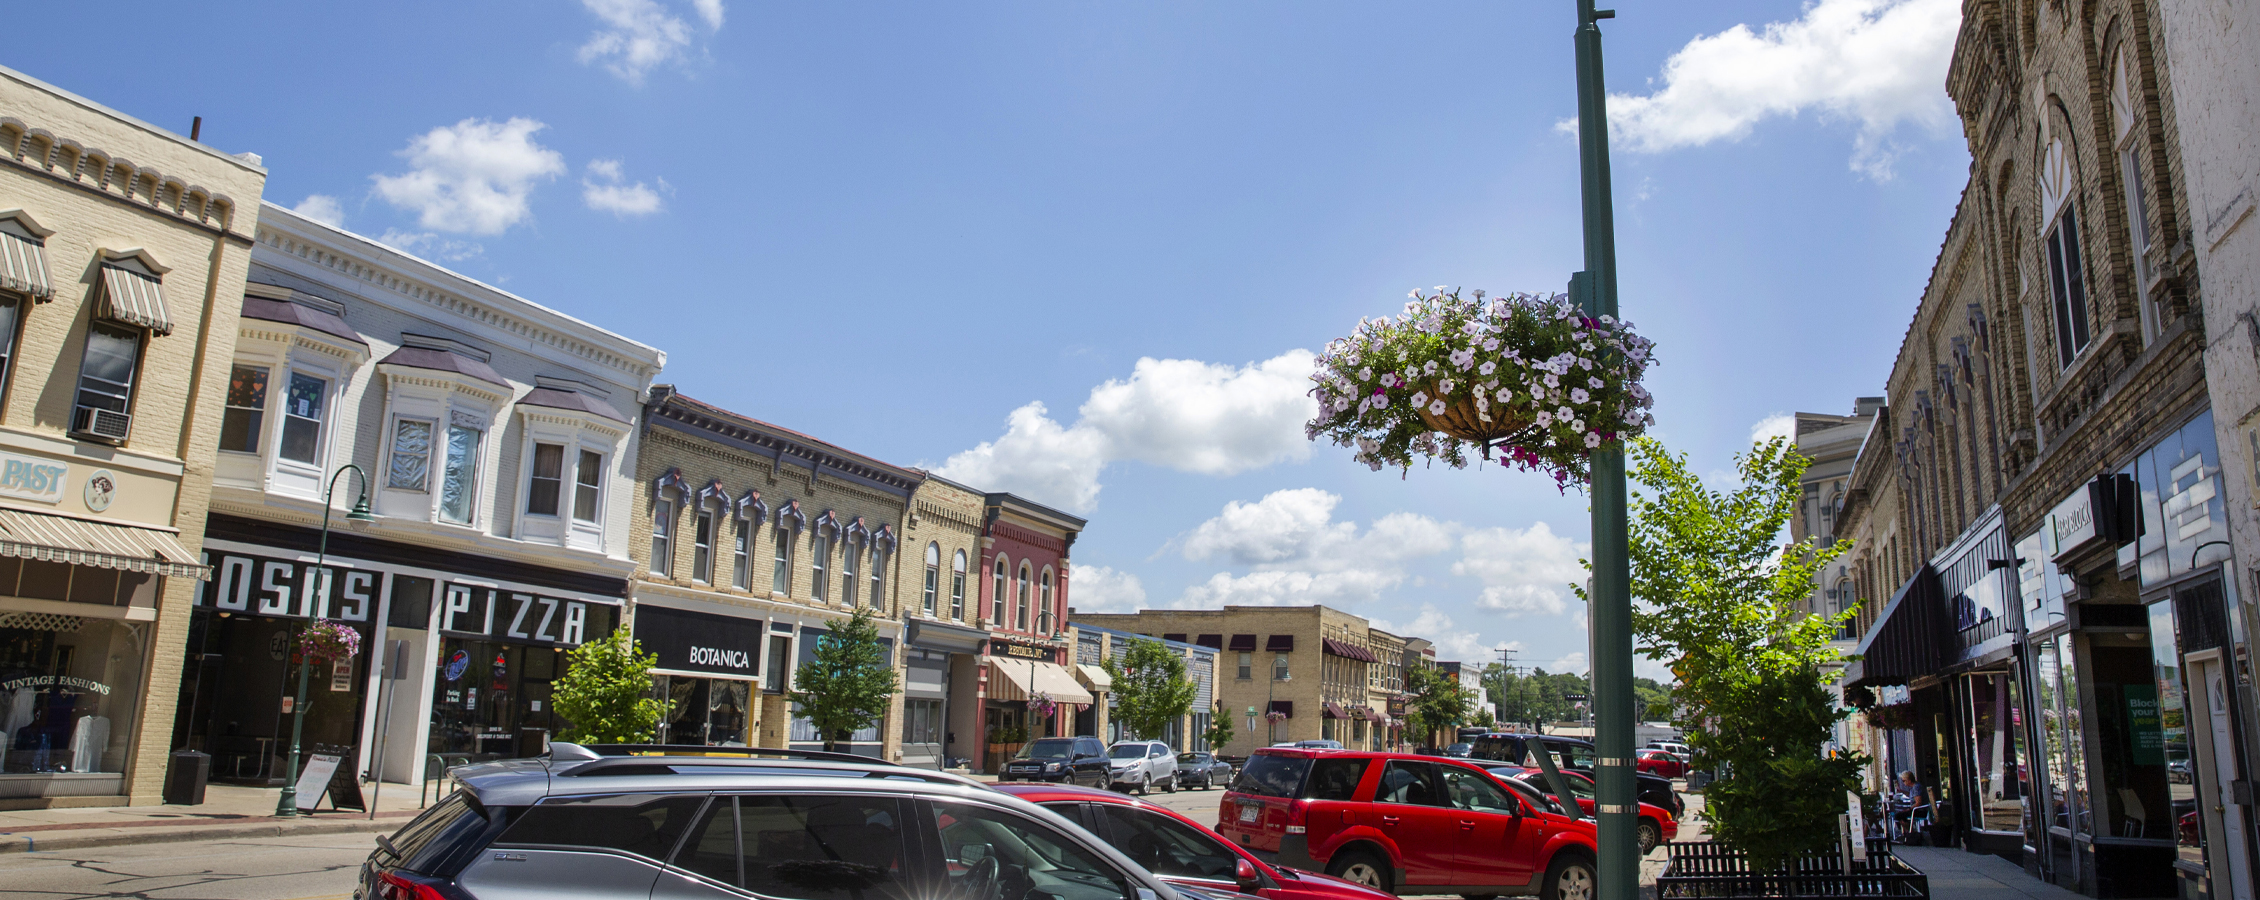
<point x="1170" y="786"/>
<point x="1650" y="834"/>
<point x="1570" y="877"/>
<point x="1146" y="786"/>
<point x="1367" y="868"/>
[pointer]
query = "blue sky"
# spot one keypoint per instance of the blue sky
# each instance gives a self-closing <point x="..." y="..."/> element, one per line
<point x="897" y="226"/>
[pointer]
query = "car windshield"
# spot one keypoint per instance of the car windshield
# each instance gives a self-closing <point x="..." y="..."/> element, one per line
<point x="1456" y="748"/>
<point x="1129" y="751"/>
<point x="1049" y="748"/>
<point x="1189" y="757"/>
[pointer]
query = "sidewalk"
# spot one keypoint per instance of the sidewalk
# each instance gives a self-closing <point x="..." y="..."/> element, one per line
<point x="228" y="811"/>
<point x="1957" y="874"/>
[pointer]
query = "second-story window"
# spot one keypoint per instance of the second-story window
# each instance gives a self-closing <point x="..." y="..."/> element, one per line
<point x="819" y="549"/>
<point x="303" y="408"/>
<point x="246" y="414"/>
<point x="105" y="380"/>
<point x="781" y="579"/>
<point x="588" y="486"/>
<point x="2067" y="285"/>
<point x="957" y="587"/>
<point x="848" y="555"/>
<point x="1044" y="607"/>
<point x="702" y="547"/>
<point x="411" y="464"/>
<point x="997" y="595"/>
<point x="459" y="476"/>
<point x="933" y="577"/>
<point x="1279" y="667"/>
<point x="741" y="557"/>
<point x="10" y="316"/>
<point x="663" y="537"/>
<point x="1020" y="601"/>
<point x="878" y="577"/>
<point x="548" y="477"/>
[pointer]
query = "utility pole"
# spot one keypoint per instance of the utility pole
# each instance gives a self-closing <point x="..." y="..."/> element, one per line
<point x="1506" y="671"/>
<point x="1610" y="613"/>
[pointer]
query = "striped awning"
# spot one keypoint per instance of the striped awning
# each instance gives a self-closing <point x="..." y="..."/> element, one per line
<point x="135" y="299"/>
<point x="23" y="265"/>
<point x="31" y="535"/>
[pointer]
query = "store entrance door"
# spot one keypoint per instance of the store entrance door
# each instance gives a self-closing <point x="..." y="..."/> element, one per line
<point x="2216" y="750"/>
<point x="712" y="712"/>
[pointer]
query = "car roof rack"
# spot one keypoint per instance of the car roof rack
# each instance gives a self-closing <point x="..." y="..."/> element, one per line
<point x="632" y="750"/>
<point x="609" y="759"/>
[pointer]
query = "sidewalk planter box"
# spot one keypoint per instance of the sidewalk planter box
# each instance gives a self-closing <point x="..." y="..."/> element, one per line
<point x="1712" y="871"/>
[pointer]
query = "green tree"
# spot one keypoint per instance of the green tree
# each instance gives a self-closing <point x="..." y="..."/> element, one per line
<point x="605" y="693"/>
<point x="850" y="682"/>
<point x="1150" y="689"/>
<point x="1219" y="728"/>
<point x="1652" y="698"/>
<point x="1439" y="703"/>
<point x="1720" y="600"/>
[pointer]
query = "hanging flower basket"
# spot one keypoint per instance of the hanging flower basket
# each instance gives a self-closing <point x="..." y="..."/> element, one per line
<point x="1041" y="705"/>
<point x="1525" y="375"/>
<point x="1275" y="717"/>
<point x="324" y="639"/>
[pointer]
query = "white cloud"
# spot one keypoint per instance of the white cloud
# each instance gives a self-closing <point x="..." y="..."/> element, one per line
<point x="1571" y="663"/>
<point x="1281" y="526"/>
<point x="473" y="176"/>
<point x="1102" y="589"/>
<point x="639" y="35"/>
<point x="430" y="246"/>
<point x="321" y="208"/>
<point x="1453" y="643"/>
<point x="1192" y="416"/>
<point x="1781" y="425"/>
<point x="604" y="190"/>
<point x="1524" y="571"/>
<point x="1301" y="555"/>
<point x="1878" y="63"/>
<point x="1339" y="588"/>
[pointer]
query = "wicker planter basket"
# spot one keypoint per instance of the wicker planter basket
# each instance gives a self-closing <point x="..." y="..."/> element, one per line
<point x="1461" y="420"/>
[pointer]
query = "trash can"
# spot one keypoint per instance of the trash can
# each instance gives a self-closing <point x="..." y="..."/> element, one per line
<point x="184" y="780"/>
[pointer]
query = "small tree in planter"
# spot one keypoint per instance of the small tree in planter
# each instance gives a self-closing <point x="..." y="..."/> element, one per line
<point x="1150" y="689"/>
<point x="849" y="683"/>
<point x="605" y="693"/>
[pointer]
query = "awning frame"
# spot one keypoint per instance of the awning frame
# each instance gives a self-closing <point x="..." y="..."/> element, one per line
<point x="133" y="294"/>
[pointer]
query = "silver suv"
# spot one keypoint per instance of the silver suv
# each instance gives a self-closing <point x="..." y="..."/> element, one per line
<point x="1141" y="766"/>
<point x="781" y="825"/>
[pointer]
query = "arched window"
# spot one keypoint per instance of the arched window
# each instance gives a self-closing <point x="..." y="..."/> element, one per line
<point x="819" y="553"/>
<point x="997" y="594"/>
<point x="781" y="580"/>
<point x="849" y="553"/>
<point x="957" y="587"/>
<point x="878" y="573"/>
<point x="1044" y="606"/>
<point x="933" y="576"/>
<point x="1020" y="601"/>
<point x="2061" y="259"/>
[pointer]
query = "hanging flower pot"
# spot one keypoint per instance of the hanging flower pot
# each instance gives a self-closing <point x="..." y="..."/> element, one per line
<point x="1527" y="376"/>
<point x="324" y="639"/>
<point x="1042" y="705"/>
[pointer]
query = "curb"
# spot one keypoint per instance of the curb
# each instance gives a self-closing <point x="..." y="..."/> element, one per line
<point x="104" y="837"/>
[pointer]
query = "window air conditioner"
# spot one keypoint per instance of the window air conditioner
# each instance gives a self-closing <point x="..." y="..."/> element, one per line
<point x="106" y="424"/>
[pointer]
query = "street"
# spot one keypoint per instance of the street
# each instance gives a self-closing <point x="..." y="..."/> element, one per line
<point x="301" y="868"/>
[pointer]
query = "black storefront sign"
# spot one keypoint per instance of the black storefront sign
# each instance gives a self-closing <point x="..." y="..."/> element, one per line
<point x="283" y="587"/>
<point x="479" y="611"/>
<point x="688" y="641"/>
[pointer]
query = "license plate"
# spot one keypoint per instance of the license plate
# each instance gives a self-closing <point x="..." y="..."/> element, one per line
<point x="1249" y="813"/>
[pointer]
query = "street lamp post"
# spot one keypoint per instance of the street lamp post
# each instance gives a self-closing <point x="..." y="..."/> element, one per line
<point x="1610" y="610"/>
<point x="287" y="806"/>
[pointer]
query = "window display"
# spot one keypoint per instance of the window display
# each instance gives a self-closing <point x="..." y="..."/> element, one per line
<point x="69" y="693"/>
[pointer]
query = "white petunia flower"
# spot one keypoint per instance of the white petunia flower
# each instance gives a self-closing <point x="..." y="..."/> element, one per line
<point x="1578" y="395"/>
<point x="1487" y="368"/>
<point x="1545" y="420"/>
<point x="1429" y="367"/>
<point x="1436" y="408"/>
<point x="1595" y="382"/>
<point x="1381" y="401"/>
<point x="1593" y="439"/>
<point x="1444" y="386"/>
<point x="1365" y="374"/>
<point x="1553" y="380"/>
<point x="1420" y="398"/>
<point x="1506" y="396"/>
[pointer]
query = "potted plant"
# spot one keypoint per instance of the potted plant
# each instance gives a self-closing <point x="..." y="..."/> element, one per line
<point x="1525" y="375"/>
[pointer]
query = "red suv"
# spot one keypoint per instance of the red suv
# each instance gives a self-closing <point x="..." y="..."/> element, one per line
<point x="1406" y="824"/>
<point x="1180" y="850"/>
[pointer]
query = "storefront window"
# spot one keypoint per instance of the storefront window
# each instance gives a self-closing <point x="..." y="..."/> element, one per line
<point x="710" y="711"/>
<point x="70" y="691"/>
<point x="2038" y="582"/>
<point x="2062" y="809"/>
<point x="2184" y="512"/>
<point x="1996" y="756"/>
<point x="2173" y="726"/>
<point x="2075" y="762"/>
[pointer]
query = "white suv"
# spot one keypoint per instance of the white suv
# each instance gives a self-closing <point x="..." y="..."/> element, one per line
<point x="1143" y="765"/>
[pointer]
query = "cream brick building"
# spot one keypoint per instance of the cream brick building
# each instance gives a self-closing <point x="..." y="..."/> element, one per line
<point x="751" y="541"/>
<point x="122" y="250"/>
<point x="938" y="595"/>
<point x="1288" y="673"/>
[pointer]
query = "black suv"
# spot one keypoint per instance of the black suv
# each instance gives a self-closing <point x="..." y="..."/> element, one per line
<point x="1574" y="754"/>
<point x="1069" y="760"/>
<point x="781" y="825"/>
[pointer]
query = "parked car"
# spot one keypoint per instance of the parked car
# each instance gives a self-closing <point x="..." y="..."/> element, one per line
<point x="1182" y="851"/>
<point x="1573" y="754"/>
<point x="770" y="823"/>
<point x="1203" y="768"/>
<point x="1459" y="750"/>
<point x="2178" y="771"/>
<point x="1142" y="765"/>
<point x="1683" y="751"/>
<point x="1405" y="824"/>
<point x="1656" y="826"/>
<point x="1073" y="760"/>
<point x="1660" y="763"/>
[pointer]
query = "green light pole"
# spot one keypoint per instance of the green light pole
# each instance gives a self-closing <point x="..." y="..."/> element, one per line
<point x="1610" y="606"/>
<point x="287" y="806"/>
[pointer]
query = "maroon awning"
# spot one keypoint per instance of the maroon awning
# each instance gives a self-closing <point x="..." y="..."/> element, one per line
<point x="1348" y="650"/>
<point x="1332" y="710"/>
<point x="1284" y="707"/>
<point x="1363" y="712"/>
<point x="1243" y="642"/>
<point x="1279" y="643"/>
<point x="1211" y="641"/>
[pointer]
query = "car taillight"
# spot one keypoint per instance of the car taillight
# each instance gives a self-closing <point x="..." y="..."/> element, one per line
<point x="392" y="886"/>
<point x="1295" y="811"/>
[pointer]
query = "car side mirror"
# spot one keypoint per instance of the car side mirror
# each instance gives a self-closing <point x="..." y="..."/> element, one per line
<point x="1245" y="873"/>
